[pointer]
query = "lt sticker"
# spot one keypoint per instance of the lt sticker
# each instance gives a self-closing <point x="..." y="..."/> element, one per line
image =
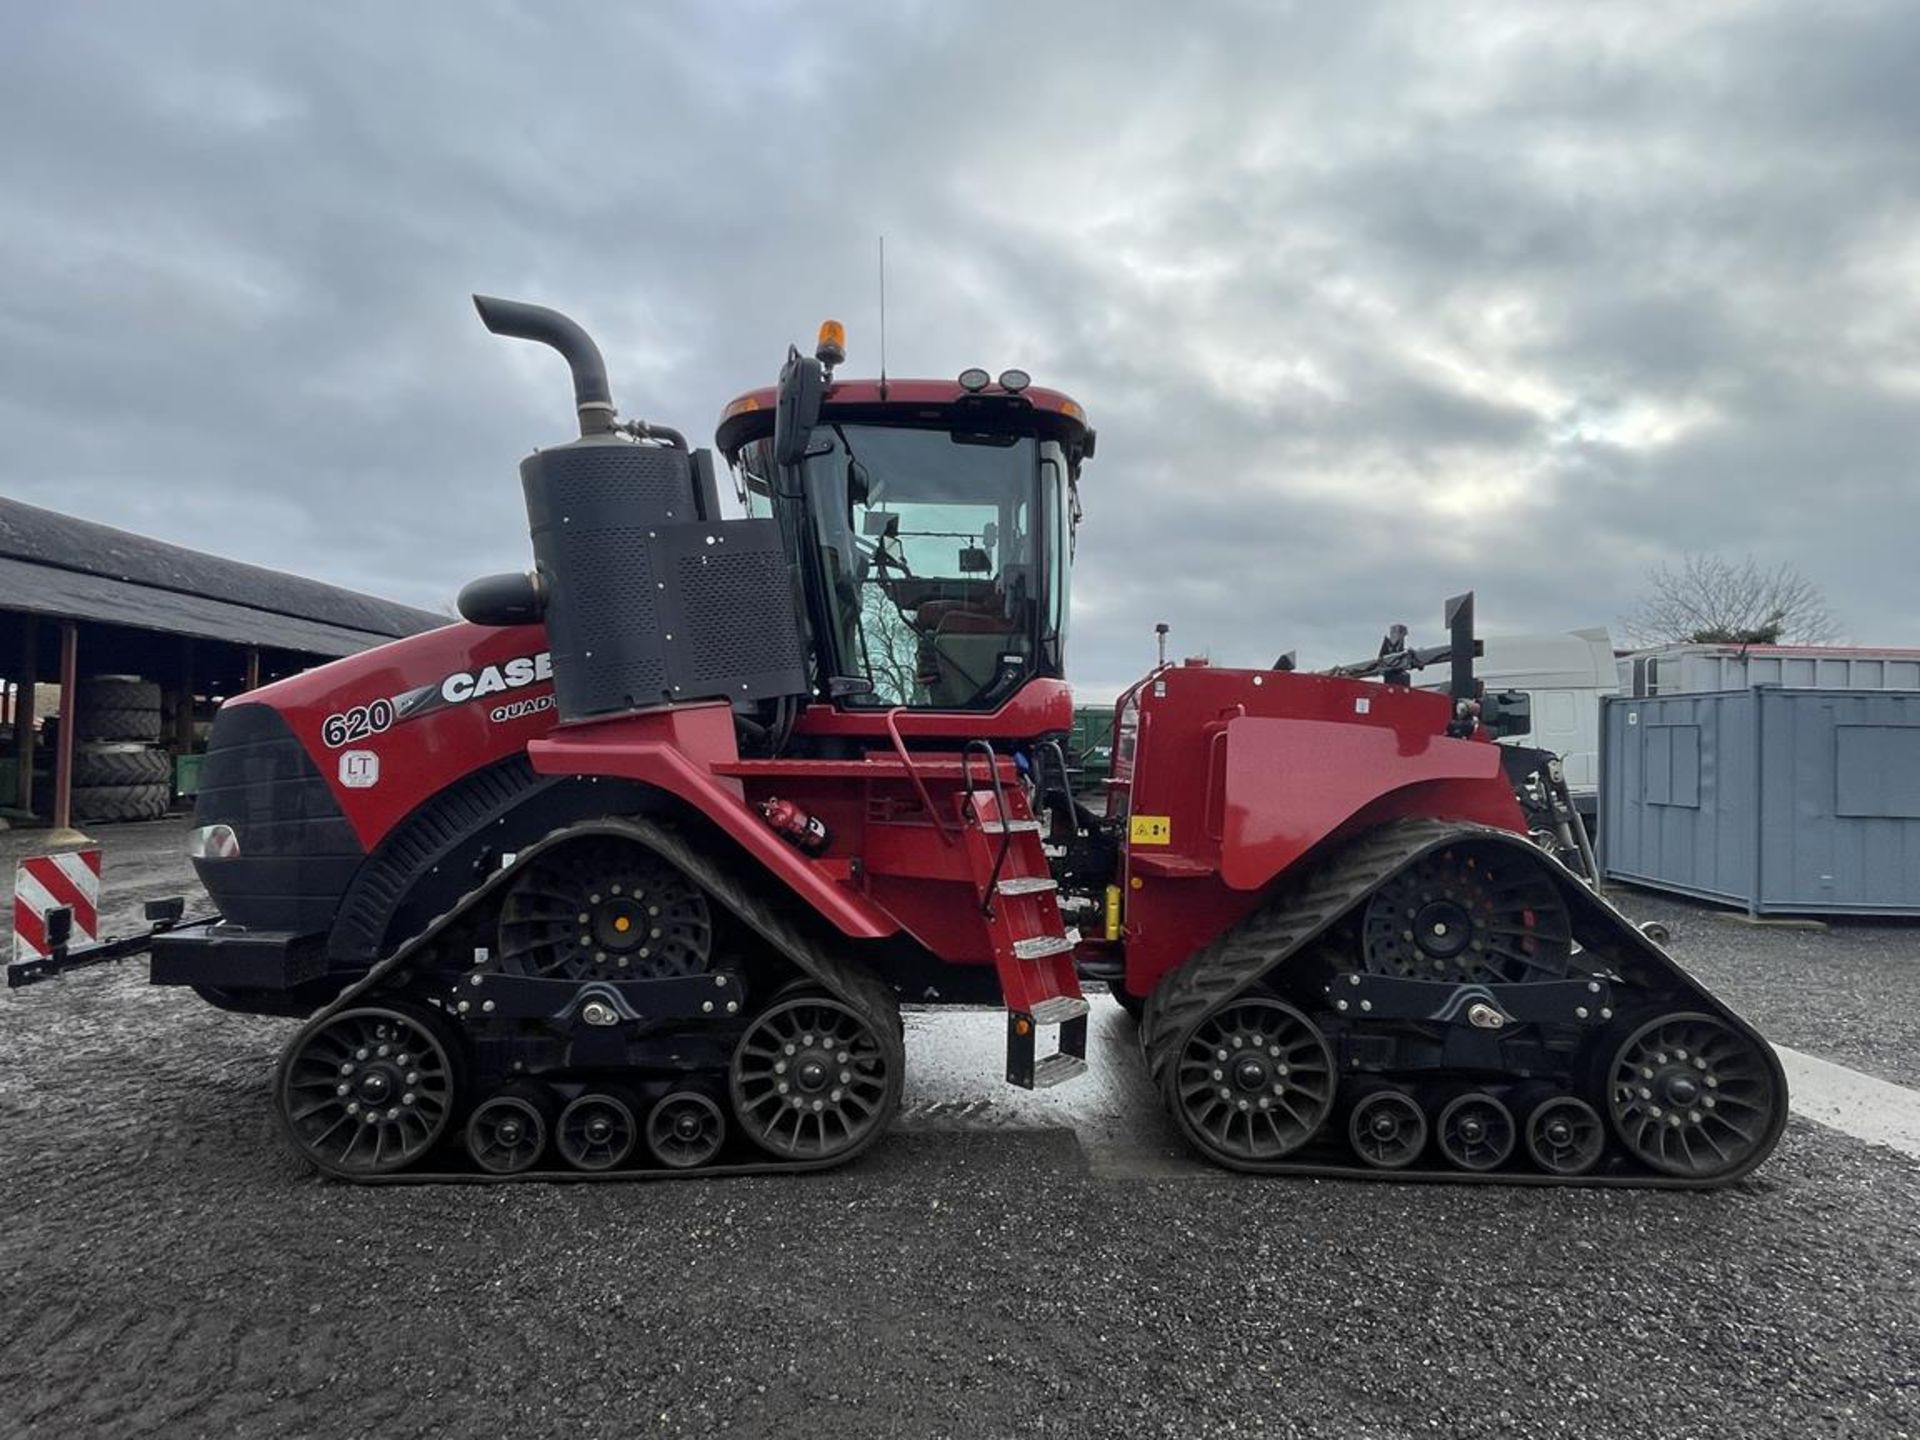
<point x="359" y="769"/>
<point x="1150" y="830"/>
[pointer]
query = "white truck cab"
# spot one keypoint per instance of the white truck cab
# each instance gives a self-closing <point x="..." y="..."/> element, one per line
<point x="1563" y="677"/>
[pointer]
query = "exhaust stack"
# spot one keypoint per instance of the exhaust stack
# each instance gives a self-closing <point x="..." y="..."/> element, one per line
<point x="521" y="321"/>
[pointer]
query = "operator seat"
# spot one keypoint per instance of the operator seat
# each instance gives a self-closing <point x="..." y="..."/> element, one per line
<point x="962" y="640"/>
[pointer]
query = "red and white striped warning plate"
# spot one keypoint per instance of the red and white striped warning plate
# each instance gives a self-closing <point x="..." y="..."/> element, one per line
<point x="48" y="882"/>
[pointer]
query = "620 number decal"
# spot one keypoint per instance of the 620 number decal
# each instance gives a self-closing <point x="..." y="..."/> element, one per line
<point x="357" y="723"/>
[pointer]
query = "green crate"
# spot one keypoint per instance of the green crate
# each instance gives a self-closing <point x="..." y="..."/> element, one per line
<point x="1090" y="745"/>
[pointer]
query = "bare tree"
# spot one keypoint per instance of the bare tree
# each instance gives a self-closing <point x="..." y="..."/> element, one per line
<point x="892" y="646"/>
<point x="1709" y="599"/>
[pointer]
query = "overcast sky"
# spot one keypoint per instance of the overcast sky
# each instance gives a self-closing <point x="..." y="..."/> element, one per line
<point x="1370" y="304"/>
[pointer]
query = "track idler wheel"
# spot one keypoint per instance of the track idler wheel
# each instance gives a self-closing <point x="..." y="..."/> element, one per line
<point x="1565" y="1135"/>
<point x="685" y="1129"/>
<point x="507" y="1133"/>
<point x="1691" y="1096"/>
<point x="596" y="1131"/>
<point x="368" y="1091"/>
<point x="1387" y="1129"/>
<point x="813" y="1079"/>
<point x="1475" y="1131"/>
<point x="1253" y="1083"/>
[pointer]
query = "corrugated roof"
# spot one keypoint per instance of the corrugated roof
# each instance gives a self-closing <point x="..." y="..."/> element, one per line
<point x="53" y="564"/>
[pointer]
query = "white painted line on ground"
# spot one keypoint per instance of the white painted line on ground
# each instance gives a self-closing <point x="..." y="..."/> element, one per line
<point x="956" y="1063"/>
<point x="1863" y="1106"/>
<point x="956" y="1080"/>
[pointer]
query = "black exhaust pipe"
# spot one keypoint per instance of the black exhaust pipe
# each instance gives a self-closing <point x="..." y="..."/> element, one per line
<point x="536" y="322"/>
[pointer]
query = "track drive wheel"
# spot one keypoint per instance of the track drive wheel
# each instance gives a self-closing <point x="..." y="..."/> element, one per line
<point x="368" y="1091"/>
<point x="604" y="909"/>
<point x="814" y="1079"/>
<point x="1468" y="913"/>
<point x="1693" y="1097"/>
<point x="685" y="1129"/>
<point x="1253" y="1083"/>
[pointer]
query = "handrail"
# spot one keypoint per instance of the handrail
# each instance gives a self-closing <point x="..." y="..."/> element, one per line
<point x="1064" y="777"/>
<point x="985" y="747"/>
<point x="926" y="796"/>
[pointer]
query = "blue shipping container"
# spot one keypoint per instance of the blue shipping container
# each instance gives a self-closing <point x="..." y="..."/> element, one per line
<point x="1780" y="801"/>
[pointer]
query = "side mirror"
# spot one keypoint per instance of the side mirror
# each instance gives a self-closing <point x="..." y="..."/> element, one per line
<point x="803" y="386"/>
<point x="975" y="561"/>
<point x="1507" y="712"/>
<point x="891" y="552"/>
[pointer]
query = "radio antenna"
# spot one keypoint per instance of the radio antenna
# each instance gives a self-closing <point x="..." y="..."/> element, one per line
<point x="883" y="317"/>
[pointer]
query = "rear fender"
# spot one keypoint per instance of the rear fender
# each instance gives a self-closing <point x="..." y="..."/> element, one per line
<point x="1288" y="785"/>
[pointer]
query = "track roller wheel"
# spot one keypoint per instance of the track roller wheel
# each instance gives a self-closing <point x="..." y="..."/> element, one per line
<point x="1476" y="1131"/>
<point x="1387" y="1129"/>
<point x="812" y="1079"/>
<point x="685" y="1129"/>
<point x="597" y="1131"/>
<point x="1565" y="1136"/>
<point x="1253" y="1083"/>
<point x="366" y="1092"/>
<point x="507" y="1133"/>
<point x="1693" y="1097"/>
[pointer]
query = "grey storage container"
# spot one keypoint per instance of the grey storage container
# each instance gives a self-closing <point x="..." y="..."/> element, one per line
<point x="1692" y="669"/>
<point x="1780" y="801"/>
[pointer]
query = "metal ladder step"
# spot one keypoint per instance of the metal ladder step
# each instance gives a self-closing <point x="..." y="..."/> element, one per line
<point x="1041" y="947"/>
<point x="1013" y="827"/>
<point x="1026" y="885"/>
<point x="1059" y="1010"/>
<point x="1057" y="1070"/>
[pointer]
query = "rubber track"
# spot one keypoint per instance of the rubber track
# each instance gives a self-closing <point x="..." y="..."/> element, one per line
<point x="1299" y="912"/>
<point x="740" y="892"/>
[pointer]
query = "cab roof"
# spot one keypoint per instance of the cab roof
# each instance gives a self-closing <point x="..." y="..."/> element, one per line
<point x="750" y="416"/>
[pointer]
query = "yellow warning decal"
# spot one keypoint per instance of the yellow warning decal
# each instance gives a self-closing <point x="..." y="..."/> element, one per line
<point x="1150" y="830"/>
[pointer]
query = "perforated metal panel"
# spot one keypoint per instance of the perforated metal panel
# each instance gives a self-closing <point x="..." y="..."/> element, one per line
<point x="731" y="611"/>
<point x="646" y="604"/>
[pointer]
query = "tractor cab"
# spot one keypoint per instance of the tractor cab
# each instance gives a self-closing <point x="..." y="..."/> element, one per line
<point x="929" y="524"/>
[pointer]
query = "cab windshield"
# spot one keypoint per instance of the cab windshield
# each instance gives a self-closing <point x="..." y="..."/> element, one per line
<point x="935" y="556"/>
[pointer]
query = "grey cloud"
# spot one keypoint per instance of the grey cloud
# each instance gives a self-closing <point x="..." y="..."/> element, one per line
<point x="1370" y="303"/>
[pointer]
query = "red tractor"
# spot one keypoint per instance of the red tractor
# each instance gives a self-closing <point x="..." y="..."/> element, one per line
<point x="630" y="873"/>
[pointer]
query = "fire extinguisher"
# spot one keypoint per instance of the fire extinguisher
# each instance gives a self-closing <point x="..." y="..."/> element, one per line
<point x="795" y="825"/>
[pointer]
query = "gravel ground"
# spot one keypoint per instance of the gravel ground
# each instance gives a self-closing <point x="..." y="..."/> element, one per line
<point x="1849" y="993"/>
<point x="167" y="1269"/>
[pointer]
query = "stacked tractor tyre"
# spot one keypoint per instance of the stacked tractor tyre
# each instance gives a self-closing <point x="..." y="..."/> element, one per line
<point x="118" y="771"/>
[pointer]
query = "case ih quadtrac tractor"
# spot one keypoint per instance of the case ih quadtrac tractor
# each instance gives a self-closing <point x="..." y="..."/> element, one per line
<point x="629" y="874"/>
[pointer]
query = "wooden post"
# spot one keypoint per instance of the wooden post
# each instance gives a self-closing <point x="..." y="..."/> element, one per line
<point x="253" y="668"/>
<point x="69" y="707"/>
<point x="23" y="716"/>
<point x="183" y="715"/>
